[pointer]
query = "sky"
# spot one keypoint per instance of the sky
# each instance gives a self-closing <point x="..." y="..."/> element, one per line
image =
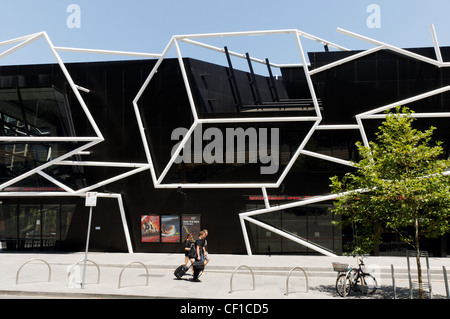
<point x="147" y="25"/>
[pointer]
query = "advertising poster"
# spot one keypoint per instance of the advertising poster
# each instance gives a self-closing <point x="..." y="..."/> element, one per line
<point x="190" y="225"/>
<point x="150" y="226"/>
<point x="170" y="229"/>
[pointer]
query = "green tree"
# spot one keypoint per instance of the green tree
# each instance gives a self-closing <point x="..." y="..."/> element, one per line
<point x="399" y="185"/>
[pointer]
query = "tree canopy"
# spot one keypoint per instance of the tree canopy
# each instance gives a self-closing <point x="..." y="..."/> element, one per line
<point x="400" y="184"/>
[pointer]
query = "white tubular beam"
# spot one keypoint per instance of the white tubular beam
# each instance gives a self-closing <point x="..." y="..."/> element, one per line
<point x="266" y="197"/>
<point x="186" y="82"/>
<point x="292" y="65"/>
<point x="404" y="102"/>
<point x="324" y="42"/>
<point x="48" y="164"/>
<point x="415" y="115"/>
<point x="259" y="120"/>
<point x="138" y="114"/>
<point x="217" y="186"/>
<point x="34" y="139"/>
<point x="391" y="47"/>
<point x="74" y="88"/>
<point x="21" y="45"/>
<point x="346" y="60"/>
<point x="21" y="39"/>
<point x="56" y="182"/>
<point x="338" y="127"/>
<point x="245" y="234"/>
<point x="267" y="32"/>
<point x="83" y="89"/>
<point x="234" y="34"/>
<point x="222" y="50"/>
<point x="154" y="71"/>
<point x="102" y="164"/>
<point x="297" y="153"/>
<point x="176" y="153"/>
<point x="327" y="158"/>
<point x="310" y="201"/>
<point x="124" y="223"/>
<point x="308" y="77"/>
<point x="109" y="52"/>
<point x="437" y="49"/>
<point x="111" y="180"/>
<point x="290" y="237"/>
<point x="35" y="194"/>
<point x="362" y="131"/>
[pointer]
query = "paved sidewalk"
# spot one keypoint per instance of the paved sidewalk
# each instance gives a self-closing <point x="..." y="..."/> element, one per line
<point x="270" y="275"/>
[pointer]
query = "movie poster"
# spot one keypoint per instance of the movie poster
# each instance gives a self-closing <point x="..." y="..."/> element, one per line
<point x="150" y="226"/>
<point x="170" y="229"/>
<point x="190" y="225"/>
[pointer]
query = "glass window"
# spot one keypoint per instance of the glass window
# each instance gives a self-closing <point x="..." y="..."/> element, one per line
<point x="49" y="215"/>
<point x="8" y="221"/>
<point x="34" y="226"/>
<point x="29" y="221"/>
<point x="66" y="215"/>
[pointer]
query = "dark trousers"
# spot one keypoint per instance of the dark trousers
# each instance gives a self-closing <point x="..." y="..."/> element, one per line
<point x="197" y="271"/>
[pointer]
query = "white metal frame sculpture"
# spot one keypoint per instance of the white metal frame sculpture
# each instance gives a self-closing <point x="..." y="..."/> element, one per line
<point x="136" y="168"/>
<point x="82" y="150"/>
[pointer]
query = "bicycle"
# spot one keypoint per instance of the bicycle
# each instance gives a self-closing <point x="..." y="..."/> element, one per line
<point x="355" y="279"/>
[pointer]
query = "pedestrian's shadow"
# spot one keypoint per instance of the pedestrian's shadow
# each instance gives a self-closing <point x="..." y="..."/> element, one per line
<point x="186" y="277"/>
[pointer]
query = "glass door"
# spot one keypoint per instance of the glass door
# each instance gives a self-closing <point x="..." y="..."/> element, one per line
<point x="49" y="226"/>
<point x="30" y="227"/>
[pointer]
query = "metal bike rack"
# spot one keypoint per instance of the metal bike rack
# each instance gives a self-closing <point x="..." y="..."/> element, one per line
<point x="289" y="275"/>
<point x="98" y="270"/>
<point x="237" y="268"/>
<point x="446" y="282"/>
<point x="31" y="260"/>
<point x="393" y="281"/>
<point x="412" y="253"/>
<point x="133" y="262"/>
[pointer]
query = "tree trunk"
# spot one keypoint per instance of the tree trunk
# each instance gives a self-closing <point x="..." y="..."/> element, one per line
<point x="419" y="267"/>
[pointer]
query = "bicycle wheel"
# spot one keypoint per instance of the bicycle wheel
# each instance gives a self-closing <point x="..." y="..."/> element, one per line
<point x="366" y="284"/>
<point x="343" y="284"/>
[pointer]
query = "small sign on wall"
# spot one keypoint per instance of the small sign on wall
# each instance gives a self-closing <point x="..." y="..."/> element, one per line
<point x="91" y="199"/>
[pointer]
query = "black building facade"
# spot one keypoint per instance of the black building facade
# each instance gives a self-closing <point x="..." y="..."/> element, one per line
<point x="37" y="101"/>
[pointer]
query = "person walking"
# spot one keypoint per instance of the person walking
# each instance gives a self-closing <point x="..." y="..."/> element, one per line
<point x="199" y="247"/>
<point x="205" y="247"/>
<point x="189" y="250"/>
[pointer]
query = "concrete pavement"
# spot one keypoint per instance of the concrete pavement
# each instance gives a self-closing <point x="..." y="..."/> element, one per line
<point x="125" y="276"/>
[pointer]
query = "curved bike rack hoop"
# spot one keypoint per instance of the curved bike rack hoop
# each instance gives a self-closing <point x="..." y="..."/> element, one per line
<point x="98" y="270"/>
<point x="31" y="260"/>
<point x="289" y="276"/>
<point x="237" y="268"/>
<point x="129" y="264"/>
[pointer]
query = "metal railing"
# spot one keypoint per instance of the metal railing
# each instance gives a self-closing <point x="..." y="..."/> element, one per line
<point x="289" y="276"/>
<point x="81" y="261"/>
<point x="237" y="268"/>
<point x="412" y="285"/>
<point x="447" y="290"/>
<point x="129" y="264"/>
<point x="31" y="260"/>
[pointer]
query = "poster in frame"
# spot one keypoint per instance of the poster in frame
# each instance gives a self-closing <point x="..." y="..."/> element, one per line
<point x="191" y="224"/>
<point x="170" y="229"/>
<point x="150" y="229"/>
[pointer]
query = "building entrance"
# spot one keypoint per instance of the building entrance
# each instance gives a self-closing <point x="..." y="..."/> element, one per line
<point x="34" y="227"/>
